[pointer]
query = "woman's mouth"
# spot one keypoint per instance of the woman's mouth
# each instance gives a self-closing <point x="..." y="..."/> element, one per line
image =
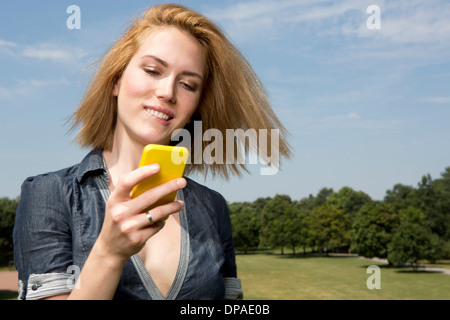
<point x="159" y="114"/>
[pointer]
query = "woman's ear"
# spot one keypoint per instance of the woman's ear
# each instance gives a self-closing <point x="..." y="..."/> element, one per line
<point x="116" y="89"/>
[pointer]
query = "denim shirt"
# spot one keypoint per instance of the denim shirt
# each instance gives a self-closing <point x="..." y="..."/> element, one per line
<point x="60" y="216"/>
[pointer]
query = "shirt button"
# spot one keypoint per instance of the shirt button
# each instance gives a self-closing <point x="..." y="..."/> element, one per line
<point x="34" y="287"/>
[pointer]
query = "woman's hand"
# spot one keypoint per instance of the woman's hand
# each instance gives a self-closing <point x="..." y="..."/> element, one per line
<point x="124" y="232"/>
<point x="126" y="228"/>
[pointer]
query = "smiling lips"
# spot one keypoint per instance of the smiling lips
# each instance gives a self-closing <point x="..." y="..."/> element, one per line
<point x="162" y="115"/>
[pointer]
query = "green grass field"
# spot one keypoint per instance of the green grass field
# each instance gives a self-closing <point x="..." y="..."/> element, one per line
<point x="284" y="277"/>
<point x="278" y="277"/>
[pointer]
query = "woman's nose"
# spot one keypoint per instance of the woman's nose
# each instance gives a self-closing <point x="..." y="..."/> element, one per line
<point x="167" y="89"/>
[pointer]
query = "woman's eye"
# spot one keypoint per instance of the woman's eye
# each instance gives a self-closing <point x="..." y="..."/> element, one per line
<point x="152" y="72"/>
<point x="188" y="86"/>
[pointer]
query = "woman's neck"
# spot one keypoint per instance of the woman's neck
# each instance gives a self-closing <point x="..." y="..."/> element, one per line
<point x="122" y="159"/>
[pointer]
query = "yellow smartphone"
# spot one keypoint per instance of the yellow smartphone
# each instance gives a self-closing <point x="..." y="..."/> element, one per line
<point x="172" y="162"/>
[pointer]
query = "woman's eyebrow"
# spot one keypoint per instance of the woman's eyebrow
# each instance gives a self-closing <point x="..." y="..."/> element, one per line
<point x="165" y="64"/>
<point x="161" y="61"/>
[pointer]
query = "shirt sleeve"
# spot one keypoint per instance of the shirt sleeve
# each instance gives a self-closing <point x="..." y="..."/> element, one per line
<point x="233" y="289"/>
<point x="42" y="239"/>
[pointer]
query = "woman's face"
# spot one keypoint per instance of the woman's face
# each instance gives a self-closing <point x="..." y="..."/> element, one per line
<point x="161" y="87"/>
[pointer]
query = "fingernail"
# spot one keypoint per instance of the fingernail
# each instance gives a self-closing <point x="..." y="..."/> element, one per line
<point x="181" y="203"/>
<point x="154" y="167"/>
<point x="181" y="182"/>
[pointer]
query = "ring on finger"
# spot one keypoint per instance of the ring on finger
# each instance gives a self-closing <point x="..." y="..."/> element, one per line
<point x="150" y="219"/>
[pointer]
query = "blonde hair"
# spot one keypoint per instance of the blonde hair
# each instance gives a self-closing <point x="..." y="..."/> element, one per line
<point x="232" y="97"/>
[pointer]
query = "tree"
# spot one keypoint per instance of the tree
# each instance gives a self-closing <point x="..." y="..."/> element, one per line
<point x="322" y="196"/>
<point x="399" y="195"/>
<point x="294" y="228"/>
<point x="428" y="198"/>
<point x="271" y="232"/>
<point x="439" y="219"/>
<point x="412" y="240"/>
<point x="246" y="222"/>
<point x="372" y="229"/>
<point x="305" y="205"/>
<point x="433" y="198"/>
<point x="349" y="200"/>
<point x="330" y="227"/>
<point x="8" y="209"/>
<point x="260" y="203"/>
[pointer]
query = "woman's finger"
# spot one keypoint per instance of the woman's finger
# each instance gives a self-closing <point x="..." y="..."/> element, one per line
<point x="127" y="182"/>
<point x="152" y="196"/>
<point x="160" y="213"/>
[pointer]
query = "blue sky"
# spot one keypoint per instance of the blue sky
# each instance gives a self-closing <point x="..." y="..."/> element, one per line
<point x="366" y="108"/>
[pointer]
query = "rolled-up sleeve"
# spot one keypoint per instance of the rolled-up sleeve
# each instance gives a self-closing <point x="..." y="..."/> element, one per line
<point x="42" y="239"/>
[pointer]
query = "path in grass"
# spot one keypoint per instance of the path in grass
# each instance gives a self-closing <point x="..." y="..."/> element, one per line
<point x="286" y="277"/>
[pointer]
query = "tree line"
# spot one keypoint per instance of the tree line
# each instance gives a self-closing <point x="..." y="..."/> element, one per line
<point x="8" y="209"/>
<point x="408" y="225"/>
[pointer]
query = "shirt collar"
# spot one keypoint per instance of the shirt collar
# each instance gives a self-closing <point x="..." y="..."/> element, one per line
<point x="91" y="163"/>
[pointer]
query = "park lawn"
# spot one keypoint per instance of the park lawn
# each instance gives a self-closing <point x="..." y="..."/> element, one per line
<point x="438" y="264"/>
<point x="277" y="277"/>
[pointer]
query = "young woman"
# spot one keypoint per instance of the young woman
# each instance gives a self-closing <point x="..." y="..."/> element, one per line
<point x="79" y="235"/>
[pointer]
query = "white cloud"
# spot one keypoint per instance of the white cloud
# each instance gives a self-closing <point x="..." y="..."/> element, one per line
<point x="43" y="83"/>
<point x="53" y="52"/>
<point x="250" y="11"/>
<point x="5" y="93"/>
<point x="311" y="125"/>
<point x="275" y="17"/>
<point x="262" y="18"/>
<point x="44" y="51"/>
<point x="403" y="23"/>
<point x="353" y="115"/>
<point x="6" y="47"/>
<point x="437" y="99"/>
<point x="411" y="22"/>
<point x="26" y="87"/>
<point x="328" y="12"/>
<point x="4" y="43"/>
<point x="13" y="92"/>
